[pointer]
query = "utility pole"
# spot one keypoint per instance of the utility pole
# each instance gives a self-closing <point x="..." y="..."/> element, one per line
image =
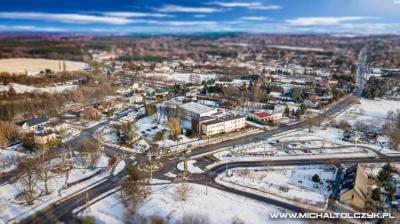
<point x="151" y="166"/>
<point x="265" y="149"/>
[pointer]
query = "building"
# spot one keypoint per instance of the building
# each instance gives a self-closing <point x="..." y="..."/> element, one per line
<point x="223" y="125"/>
<point x="34" y="124"/>
<point x="91" y="112"/>
<point x="105" y="106"/>
<point x="44" y="138"/>
<point x="197" y="123"/>
<point x="312" y="101"/>
<point x="137" y="98"/>
<point x="354" y="187"/>
<point x="194" y="110"/>
<point x="263" y="116"/>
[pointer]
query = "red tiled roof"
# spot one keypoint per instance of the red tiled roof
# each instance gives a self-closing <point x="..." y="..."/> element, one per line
<point x="91" y="111"/>
<point x="262" y="114"/>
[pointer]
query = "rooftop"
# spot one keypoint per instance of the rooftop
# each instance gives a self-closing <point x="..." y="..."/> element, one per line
<point x="223" y="119"/>
<point x="37" y="120"/>
<point x="196" y="108"/>
<point x="262" y="114"/>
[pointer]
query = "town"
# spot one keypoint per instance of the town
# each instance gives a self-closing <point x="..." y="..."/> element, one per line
<point x="198" y="128"/>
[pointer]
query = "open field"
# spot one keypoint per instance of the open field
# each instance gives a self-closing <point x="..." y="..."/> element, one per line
<point x="34" y="66"/>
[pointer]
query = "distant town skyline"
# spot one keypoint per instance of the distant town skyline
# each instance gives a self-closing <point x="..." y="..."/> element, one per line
<point x="172" y="16"/>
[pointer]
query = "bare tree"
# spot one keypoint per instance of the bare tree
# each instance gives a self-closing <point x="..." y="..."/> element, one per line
<point x="44" y="168"/>
<point x="8" y="131"/>
<point x="134" y="191"/>
<point x="29" y="178"/>
<point x="65" y="164"/>
<point x="175" y="128"/>
<point x="182" y="191"/>
<point x="311" y="122"/>
<point x="90" y="151"/>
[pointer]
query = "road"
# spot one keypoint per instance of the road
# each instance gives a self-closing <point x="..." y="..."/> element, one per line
<point x="361" y="71"/>
<point x="63" y="210"/>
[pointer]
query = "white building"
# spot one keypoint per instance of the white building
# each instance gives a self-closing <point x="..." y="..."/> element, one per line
<point x="194" y="110"/>
<point x="137" y="98"/>
<point x="225" y="125"/>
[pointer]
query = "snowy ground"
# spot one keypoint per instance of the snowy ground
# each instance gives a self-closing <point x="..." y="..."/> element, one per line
<point x="11" y="208"/>
<point x="109" y="135"/>
<point x="192" y="168"/>
<point x="119" y="167"/>
<point x="217" y="206"/>
<point x="371" y="112"/>
<point x="292" y="183"/>
<point x="183" y="77"/>
<point x="9" y="158"/>
<point x="28" y="89"/>
<point x="320" y="143"/>
<point x="149" y="127"/>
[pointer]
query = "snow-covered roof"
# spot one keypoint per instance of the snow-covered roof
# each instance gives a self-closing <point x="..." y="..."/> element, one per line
<point x="196" y="108"/>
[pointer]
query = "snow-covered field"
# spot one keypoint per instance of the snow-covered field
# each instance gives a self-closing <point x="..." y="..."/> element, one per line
<point x="28" y="89"/>
<point x="371" y="112"/>
<point x="183" y="77"/>
<point x="149" y="127"/>
<point x="192" y="168"/>
<point x="320" y="143"/>
<point x="294" y="183"/>
<point x="9" y="158"/>
<point x="11" y="208"/>
<point x="34" y="65"/>
<point x="215" y="205"/>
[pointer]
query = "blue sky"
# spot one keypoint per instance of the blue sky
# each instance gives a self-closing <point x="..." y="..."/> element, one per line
<point x="190" y="16"/>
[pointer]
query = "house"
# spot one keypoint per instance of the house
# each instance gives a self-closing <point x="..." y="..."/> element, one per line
<point x="34" y="124"/>
<point x="312" y="101"/>
<point x="194" y="110"/>
<point x="275" y="95"/>
<point x="76" y="111"/>
<point x="354" y="187"/>
<point x="91" y="112"/>
<point x="223" y="125"/>
<point x="44" y="137"/>
<point x="263" y="116"/>
<point x="105" y="106"/>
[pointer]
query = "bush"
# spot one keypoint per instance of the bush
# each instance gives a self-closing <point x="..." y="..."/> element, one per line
<point x="159" y="136"/>
<point x="88" y="220"/>
<point x="316" y="178"/>
<point x="189" y="133"/>
<point x="376" y="194"/>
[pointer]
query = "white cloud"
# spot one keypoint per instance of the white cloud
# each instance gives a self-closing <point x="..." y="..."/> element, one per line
<point x="254" y="18"/>
<point x="249" y="5"/>
<point x="136" y="14"/>
<point x="66" y="17"/>
<point x="323" y="21"/>
<point x="177" y="8"/>
<point x="31" y="28"/>
<point x="183" y="23"/>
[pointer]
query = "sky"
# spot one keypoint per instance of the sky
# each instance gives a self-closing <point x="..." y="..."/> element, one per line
<point x="198" y="16"/>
